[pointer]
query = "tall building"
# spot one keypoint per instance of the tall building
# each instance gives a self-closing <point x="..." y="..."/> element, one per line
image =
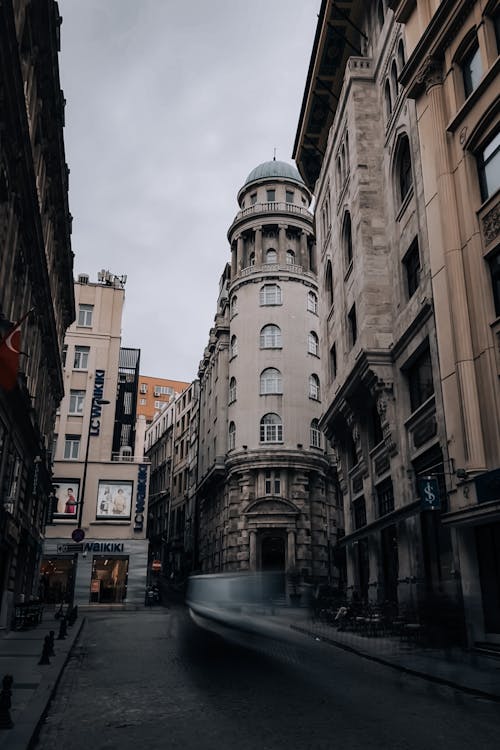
<point x="266" y="497"/>
<point x="100" y="485"/>
<point x="154" y="393"/>
<point x="36" y="274"/>
<point x="358" y="148"/>
<point x="450" y="77"/>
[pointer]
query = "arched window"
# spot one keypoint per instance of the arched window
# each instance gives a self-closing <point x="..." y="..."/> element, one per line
<point x="312" y="302"/>
<point x="388" y="100"/>
<point x="394" y="80"/>
<point x="271" y="381"/>
<point x="380" y="13"/>
<point x="270" y="294"/>
<point x="251" y="260"/>
<point x="234" y="346"/>
<point x="404" y="168"/>
<point x="231" y="436"/>
<point x="315" y="434"/>
<point x="313" y="343"/>
<point x="470" y="63"/>
<point x="270" y="337"/>
<point x="344" y="166"/>
<point x="271" y="429"/>
<point x="234" y="305"/>
<point x="329" y="284"/>
<point x="401" y="55"/>
<point x="232" y="390"/>
<point x="271" y="256"/>
<point x="314" y="387"/>
<point x="339" y="173"/>
<point x="347" y="237"/>
<point x="290" y="258"/>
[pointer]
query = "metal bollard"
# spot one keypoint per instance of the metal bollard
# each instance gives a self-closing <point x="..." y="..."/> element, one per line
<point x="6" y="702"/>
<point x="63" y="628"/>
<point x="44" y="659"/>
<point x="51" y="641"/>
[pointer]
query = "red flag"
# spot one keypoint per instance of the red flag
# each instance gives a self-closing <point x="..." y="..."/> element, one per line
<point x="10" y="349"/>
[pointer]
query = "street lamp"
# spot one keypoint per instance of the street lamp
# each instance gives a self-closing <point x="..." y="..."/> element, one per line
<point x="95" y="402"/>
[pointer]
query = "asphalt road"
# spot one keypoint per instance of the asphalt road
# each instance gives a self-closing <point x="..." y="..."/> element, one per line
<point x="152" y="679"/>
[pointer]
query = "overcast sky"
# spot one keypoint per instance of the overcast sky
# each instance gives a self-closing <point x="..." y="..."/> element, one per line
<point x="170" y="104"/>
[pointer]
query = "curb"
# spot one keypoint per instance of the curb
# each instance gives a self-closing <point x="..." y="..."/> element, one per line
<point x="400" y="667"/>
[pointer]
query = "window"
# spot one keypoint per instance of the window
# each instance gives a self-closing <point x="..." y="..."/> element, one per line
<point x="289" y="196"/>
<point x="271" y="256"/>
<point x="411" y="262"/>
<point x="313" y="343"/>
<point x="471" y="69"/>
<point x="85" y="313"/>
<point x="272" y="482"/>
<point x="271" y="429"/>
<point x="231" y="436"/>
<point x="251" y="260"/>
<point x="394" y="80"/>
<point x="76" y="401"/>
<point x="359" y="512"/>
<point x="71" y="446"/>
<point x="81" y="359"/>
<point x="234" y="305"/>
<point x="271" y="195"/>
<point x="385" y="498"/>
<point x="404" y="169"/>
<point x="347" y="238"/>
<point x="142" y="401"/>
<point x="127" y="403"/>
<point x="315" y="434"/>
<point x="270" y="337"/>
<point x="333" y="362"/>
<point x="253" y="199"/>
<point x="271" y="381"/>
<point x="143" y="388"/>
<point x="401" y="55"/>
<point x="312" y="302"/>
<point x="234" y="346"/>
<point x="329" y="284"/>
<point x="270" y="294"/>
<point x="314" y="387"/>
<point x="159" y="404"/>
<point x="64" y="354"/>
<point x="388" y="100"/>
<point x="353" y="326"/>
<point x="290" y="258"/>
<point x="494" y="263"/>
<point x="420" y="382"/>
<point x="488" y="163"/>
<point x="232" y="390"/>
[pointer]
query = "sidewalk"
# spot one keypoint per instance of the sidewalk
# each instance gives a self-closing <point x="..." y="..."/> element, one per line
<point x="455" y="667"/>
<point x="34" y="684"/>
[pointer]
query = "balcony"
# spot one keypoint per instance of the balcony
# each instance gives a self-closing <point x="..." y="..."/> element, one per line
<point x="272" y="207"/>
<point x="273" y="268"/>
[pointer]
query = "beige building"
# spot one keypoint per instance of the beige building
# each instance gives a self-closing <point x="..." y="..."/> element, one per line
<point x="358" y="148"/>
<point x="451" y="78"/>
<point x="98" y="490"/>
<point x="265" y="496"/>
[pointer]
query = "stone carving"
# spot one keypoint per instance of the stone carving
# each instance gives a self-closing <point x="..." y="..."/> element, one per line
<point x="491" y="224"/>
<point x="431" y="73"/>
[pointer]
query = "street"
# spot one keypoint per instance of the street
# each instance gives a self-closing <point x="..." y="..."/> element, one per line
<point x="152" y="678"/>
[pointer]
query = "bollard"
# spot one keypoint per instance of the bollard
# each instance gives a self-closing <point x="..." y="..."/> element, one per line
<point x="63" y="629"/>
<point x="6" y="702"/>
<point x="51" y="641"/>
<point x="73" y="615"/>
<point x="44" y="659"/>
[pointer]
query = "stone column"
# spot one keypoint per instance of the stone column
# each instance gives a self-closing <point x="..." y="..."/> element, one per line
<point x="239" y="253"/>
<point x="282" y="244"/>
<point x="468" y="400"/>
<point x="258" y="246"/>
<point x="304" y="259"/>
<point x="290" y="549"/>
<point x="253" y="551"/>
<point x="234" y="261"/>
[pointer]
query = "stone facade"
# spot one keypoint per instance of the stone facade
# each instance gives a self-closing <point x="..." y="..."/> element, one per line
<point x="36" y="265"/>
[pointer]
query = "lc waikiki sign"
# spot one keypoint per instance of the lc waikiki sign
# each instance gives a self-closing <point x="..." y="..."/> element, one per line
<point x="95" y="416"/>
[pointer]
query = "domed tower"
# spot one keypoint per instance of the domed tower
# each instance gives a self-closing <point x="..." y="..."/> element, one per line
<point x="267" y="504"/>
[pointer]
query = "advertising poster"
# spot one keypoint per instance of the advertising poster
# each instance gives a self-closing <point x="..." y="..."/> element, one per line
<point x="114" y="499"/>
<point x="67" y="493"/>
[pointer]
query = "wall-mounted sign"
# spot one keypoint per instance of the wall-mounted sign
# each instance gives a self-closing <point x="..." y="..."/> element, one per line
<point x="66" y="493"/>
<point x="114" y="499"/>
<point x="428" y="488"/>
<point x="95" y="416"/>
<point x="103" y="547"/>
<point x="140" y="500"/>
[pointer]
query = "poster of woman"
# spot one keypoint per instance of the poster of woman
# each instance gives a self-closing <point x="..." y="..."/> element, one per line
<point x="67" y="492"/>
<point x="114" y="499"/>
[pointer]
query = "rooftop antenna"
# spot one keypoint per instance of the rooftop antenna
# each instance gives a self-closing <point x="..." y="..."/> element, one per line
<point x="274" y="157"/>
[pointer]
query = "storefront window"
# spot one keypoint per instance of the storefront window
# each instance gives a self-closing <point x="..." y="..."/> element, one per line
<point x="108" y="584"/>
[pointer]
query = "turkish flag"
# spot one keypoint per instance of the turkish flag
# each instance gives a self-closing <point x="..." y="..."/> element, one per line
<point x="10" y="349"/>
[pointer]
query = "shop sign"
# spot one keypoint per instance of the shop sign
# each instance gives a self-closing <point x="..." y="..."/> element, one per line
<point x="103" y="546"/>
<point x="156" y="565"/>
<point x="428" y="488"/>
<point x="70" y="547"/>
<point x="95" y="416"/>
<point x="140" y="497"/>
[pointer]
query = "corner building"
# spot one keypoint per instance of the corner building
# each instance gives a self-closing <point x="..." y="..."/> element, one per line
<point x="265" y="496"/>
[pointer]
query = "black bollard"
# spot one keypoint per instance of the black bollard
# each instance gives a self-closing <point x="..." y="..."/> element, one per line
<point x="44" y="659"/>
<point x="63" y="629"/>
<point x="6" y="702"/>
<point x="73" y="615"/>
<point x="51" y="641"/>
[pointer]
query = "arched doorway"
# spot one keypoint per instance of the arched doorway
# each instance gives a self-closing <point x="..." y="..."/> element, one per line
<point x="272" y="562"/>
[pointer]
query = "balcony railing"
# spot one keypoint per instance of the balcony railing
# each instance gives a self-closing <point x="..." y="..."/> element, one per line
<point x="271" y="268"/>
<point x="272" y="207"/>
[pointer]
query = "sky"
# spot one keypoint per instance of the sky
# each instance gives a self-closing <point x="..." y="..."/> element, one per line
<point x="169" y="105"/>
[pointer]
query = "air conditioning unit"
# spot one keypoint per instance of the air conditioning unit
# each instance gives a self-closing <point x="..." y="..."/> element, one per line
<point x="83" y="278"/>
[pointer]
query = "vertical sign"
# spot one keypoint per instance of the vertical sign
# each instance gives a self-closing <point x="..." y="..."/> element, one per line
<point x="140" y="497"/>
<point x="428" y="488"/>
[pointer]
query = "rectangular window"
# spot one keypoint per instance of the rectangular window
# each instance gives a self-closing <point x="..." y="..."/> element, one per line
<point x="333" y="362"/>
<point x="411" y="262"/>
<point x="289" y="196"/>
<point x="127" y="402"/>
<point x="253" y="199"/>
<point x="385" y="498"/>
<point x="271" y="195"/>
<point x="142" y="401"/>
<point x="81" y="358"/>
<point x="76" y="401"/>
<point x="71" y="446"/>
<point x="163" y="390"/>
<point x="159" y="404"/>
<point x="312" y="302"/>
<point x="143" y="388"/>
<point x="270" y="294"/>
<point x="420" y="382"/>
<point x="359" y="512"/>
<point x="494" y="263"/>
<point x="471" y="70"/>
<point x="488" y="163"/>
<point x="272" y="483"/>
<point x="85" y="313"/>
<point x="353" y="325"/>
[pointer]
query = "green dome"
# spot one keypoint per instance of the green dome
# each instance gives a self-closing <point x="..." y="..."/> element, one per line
<point x="274" y="169"/>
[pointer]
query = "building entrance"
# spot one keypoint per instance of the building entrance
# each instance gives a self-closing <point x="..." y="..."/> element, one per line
<point x="108" y="584"/>
<point x="57" y="580"/>
<point x="272" y="557"/>
<point x="488" y="552"/>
